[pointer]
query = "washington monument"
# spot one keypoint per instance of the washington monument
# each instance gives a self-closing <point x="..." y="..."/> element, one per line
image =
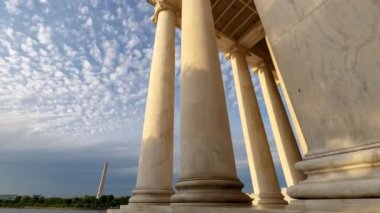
<point x="102" y="181"/>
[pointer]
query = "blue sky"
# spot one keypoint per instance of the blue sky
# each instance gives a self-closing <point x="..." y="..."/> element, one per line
<point x="73" y="84"/>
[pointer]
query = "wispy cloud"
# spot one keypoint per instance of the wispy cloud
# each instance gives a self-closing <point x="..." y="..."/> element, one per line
<point x="86" y="86"/>
<point x="73" y="78"/>
<point x="12" y="6"/>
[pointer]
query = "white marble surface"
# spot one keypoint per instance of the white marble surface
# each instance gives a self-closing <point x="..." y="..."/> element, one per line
<point x="296" y="206"/>
<point x="354" y="174"/>
<point x="286" y="143"/>
<point x="281" y="16"/>
<point x="261" y="166"/>
<point x="336" y="205"/>
<point x="154" y="181"/>
<point x="330" y="62"/>
<point x="201" y="208"/>
<point x="207" y="168"/>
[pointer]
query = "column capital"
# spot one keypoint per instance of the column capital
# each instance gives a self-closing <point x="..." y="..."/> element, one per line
<point x="236" y="48"/>
<point x="162" y="5"/>
<point x="261" y="67"/>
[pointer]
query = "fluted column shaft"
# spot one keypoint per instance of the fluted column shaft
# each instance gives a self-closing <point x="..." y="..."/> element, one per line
<point x="283" y="135"/>
<point x="154" y="181"/>
<point x="207" y="172"/>
<point x="263" y="174"/>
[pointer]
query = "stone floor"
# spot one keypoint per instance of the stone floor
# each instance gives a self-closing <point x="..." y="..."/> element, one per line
<point x="298" y="206"/>
<point x="187" y="209"/>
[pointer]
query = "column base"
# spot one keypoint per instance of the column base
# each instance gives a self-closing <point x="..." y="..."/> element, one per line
<point x="264" y="199"/>
<point x="351" y="175"/>
<point x="335" y="205"/>
<point x="151" y="196"/>
<point x="210" y="192"/>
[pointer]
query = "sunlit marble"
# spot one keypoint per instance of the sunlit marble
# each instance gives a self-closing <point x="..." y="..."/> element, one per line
<point x="329" y="61"/>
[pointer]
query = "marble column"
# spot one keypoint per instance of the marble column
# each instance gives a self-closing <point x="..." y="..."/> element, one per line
<point x="207" y="167"/>
<point x="263" y="174"/>
<point x="154" y="181"/>
<point x="297" y="126"/>
<point x="283" y="135"/>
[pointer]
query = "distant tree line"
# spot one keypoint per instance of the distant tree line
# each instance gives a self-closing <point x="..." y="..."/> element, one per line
<point x="86" y="202"/>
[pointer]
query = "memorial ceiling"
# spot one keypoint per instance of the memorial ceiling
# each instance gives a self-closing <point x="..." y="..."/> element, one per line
<point x="237" y="21"/>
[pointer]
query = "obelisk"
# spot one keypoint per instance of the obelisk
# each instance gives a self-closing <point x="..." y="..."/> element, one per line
<point x="102" y="181"/>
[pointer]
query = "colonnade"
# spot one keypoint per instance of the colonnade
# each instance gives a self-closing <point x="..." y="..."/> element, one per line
<point x="207" y="165"/>
<point x="263" y="174"/>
